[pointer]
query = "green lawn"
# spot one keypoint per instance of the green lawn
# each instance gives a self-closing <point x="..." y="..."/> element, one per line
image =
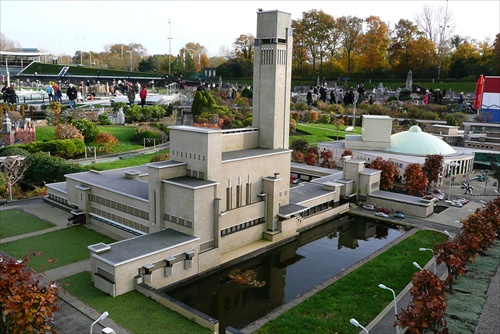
<point x="132" y="310"/>
<point x="357" y="294"/>
<point x="127" y="162"/>
<point x="14" y="222"/>
<point x="122" y="133"/>
<point x="318" y="133"/>
<point x="57" y="248"/>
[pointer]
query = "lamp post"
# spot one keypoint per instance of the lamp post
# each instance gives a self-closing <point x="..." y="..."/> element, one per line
<point x="357" y="324"/>
<point x="452" y="174"/>
<point x="428" y="249"/>
<point x="90" y="58"/>
<point x="443" y="27"/>
<point x="448" y="234"/>
<point x="169" y="47"/>
<point x="130" y="52"/>
<point x="101" y="317"/>
<point x="485" y="183"/>
<point x="418" y="266"/>
<point x="382" y="286"/>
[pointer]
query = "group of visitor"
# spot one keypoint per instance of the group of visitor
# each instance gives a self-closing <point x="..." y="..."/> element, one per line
<point x="9" y="94"/>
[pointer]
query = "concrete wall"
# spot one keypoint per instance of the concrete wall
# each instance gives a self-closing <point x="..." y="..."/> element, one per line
<point x="239" y="141"/>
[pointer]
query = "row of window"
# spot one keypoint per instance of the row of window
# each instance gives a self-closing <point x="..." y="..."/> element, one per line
<point x="195" y="174"/>
<point x="491" y="147"/>
<point x="317" y="209"/>
<point x="58" y="199"/>
<point x="191" y="155"/>
<point x="120" y="207"/>
<point x="178" y="220"/>
<point x="105" y="274"/>
<point x="241" y="227"/>
<point x="121" y="220"/>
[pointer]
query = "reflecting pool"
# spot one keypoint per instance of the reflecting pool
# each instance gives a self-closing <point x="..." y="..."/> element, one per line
<point x="288" y="271"/>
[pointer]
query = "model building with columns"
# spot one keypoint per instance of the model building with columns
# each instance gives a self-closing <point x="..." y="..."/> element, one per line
<point x="224" y="194"/>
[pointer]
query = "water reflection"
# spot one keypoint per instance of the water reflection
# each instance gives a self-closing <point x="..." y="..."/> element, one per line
<point x="289" y="271"/>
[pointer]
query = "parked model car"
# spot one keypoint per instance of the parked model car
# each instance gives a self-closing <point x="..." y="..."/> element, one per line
<point x="462" y="200"/>
<point x="381" y="214"/>
<point x="369" y="207"/>
<point x="456" y="204"/>
<point x="438" y="191"/>
<point x="399" y="215"/>
<point x="384" y="210"/>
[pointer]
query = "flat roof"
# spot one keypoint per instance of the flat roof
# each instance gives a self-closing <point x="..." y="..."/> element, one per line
<point x="286" y="211"/>
<point x="135" y="248"/>
<point x="190" y="182"/>
<point x="401" y="198"/>
<point x="60" y="186"/>
<point x="250" y="153"/>
<point x="307" y="191"/>
<point x="115" y="180"/>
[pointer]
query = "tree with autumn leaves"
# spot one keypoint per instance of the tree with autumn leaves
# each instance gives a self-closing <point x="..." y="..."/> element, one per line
<point x="433" y="167"/>
<point x="389" y="172"/>
<point x="426" y="311"/>
<point x="27" y="302"/>
<point x="415" y="180"/>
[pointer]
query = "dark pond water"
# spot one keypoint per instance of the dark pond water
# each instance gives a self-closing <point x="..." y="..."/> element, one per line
<point x="288" y="271"/>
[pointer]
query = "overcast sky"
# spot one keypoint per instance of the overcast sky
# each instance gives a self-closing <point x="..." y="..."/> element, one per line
<point x="64" y="27"/>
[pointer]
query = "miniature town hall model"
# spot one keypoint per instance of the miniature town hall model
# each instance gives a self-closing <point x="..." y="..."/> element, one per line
<point x="224" y="195"/>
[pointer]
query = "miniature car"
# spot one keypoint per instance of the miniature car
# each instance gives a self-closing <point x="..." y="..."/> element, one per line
<point x="456" y="204"/>
<point x="381" y="214"/>
<point x="369" y="207"/>
<point x="399" y="215"/>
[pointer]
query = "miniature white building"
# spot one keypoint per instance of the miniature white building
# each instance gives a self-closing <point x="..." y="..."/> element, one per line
<point x="224" y="195"/>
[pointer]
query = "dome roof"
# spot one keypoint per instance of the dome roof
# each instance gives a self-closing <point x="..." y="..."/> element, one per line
<point x="416" y="142"/>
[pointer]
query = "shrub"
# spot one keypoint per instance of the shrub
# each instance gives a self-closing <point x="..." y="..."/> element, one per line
<point x="404" y="94"/>
<point x="13" y="150"/>
<point x="336" y="109"/>
<point x="67" y="131"/>
<point x="119" y="105"/>
<point x="300" y="145"/>
<point x="106" y="139"/>
<point x="160" y="157"/>
<point x="293" y="125"/>
<point x="103" y="119"/>
<point x="88" y="129"/>
<point x="301" y="106"/>
<point x="146" y="133"/>
<point x="44" y="168"/>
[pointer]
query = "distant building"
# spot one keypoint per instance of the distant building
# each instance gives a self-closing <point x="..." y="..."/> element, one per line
<point x="17" y="133"/>
<point x="400" y="149"/>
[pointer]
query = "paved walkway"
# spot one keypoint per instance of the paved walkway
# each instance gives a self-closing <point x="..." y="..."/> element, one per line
<point x="76" y="317"/>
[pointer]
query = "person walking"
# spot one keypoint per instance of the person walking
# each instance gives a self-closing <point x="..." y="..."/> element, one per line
<point x="131" y="94"/>
<point x="461" y="101"/>
<point x="50" y="92"/>
<point x="72" y="96"/>
<point x="143" y="93"/>
<point x="11" y="95"/>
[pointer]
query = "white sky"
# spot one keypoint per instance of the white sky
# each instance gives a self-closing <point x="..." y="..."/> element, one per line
<point x="64" y="27"/>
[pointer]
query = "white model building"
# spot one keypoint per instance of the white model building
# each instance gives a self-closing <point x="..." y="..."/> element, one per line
<point x="224" y="195"/>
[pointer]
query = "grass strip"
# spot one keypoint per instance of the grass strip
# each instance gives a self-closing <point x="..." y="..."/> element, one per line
<point x="56" y="249"/>
<point x="131" y="310"/>
<point x="357" y="294"/>
<point x="15" y="222"/>
<point x="136" y="160"/>
<point x="318" y="133"/>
